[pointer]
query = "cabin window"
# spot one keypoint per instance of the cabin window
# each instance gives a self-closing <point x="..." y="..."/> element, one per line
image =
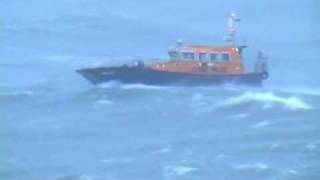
<point x="214" y="57"/>
<point x="202" y="56"/>
<point x="225" y="57"/>
<point x="174" y="55"/>
<point x="188" y="56"/>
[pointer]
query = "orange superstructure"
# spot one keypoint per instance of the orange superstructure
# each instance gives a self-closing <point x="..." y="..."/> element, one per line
<point x="203" y="59"/>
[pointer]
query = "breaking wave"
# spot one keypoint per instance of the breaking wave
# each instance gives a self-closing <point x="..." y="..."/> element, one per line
<point x="267" y="99"/>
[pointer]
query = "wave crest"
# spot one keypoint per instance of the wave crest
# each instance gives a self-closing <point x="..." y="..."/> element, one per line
<point x="178" y="170"/>
<point x="268" y="99"/>
<point x="102" y="102"/>
<point x="253" y="167"/>
<point x="16" y="94"/>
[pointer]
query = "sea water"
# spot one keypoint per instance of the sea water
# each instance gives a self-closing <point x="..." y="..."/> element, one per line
<point x="57" y="126"/>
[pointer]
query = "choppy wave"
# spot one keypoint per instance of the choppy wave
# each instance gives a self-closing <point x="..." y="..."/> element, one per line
<point x="179" y="170"/>
<point x="23" y="93"/>
<point x="258" y="167"/>
<point x="303" y="91"/>
<point x="163" y="150"/>
<point x="118" y="160"/>
<point x="267" y="99"/>
<point x="260" y="124"/>
<point x="239" y="116"/>
<point x="312" y="146"/>
<point x="102" y="102"/>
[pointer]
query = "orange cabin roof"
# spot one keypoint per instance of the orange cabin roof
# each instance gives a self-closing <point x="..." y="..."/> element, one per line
<point x="200" y="48"/>
<point x="232" y="50"/>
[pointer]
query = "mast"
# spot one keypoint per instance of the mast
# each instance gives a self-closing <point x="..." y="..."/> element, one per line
<point x="232" y="19"/>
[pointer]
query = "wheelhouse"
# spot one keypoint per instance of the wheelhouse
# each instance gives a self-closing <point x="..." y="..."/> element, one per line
<point x="202" y="54"/>
<point x="203" y="59"/>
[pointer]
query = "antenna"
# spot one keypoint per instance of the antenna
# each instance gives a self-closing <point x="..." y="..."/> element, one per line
<point x="232" y="19"/>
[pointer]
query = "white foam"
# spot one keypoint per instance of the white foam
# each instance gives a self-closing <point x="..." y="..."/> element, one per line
<point x="239" y="116"/>
<point x="163" y="150"/>
<point x="136" y="86"/>
<point x="304" y="91"/>
<point x="292" y="171"/>
<point x="260" y="124"/>
<point x="179" y="170"/>
<point x="222" y="156"/>
<point x="17" y="93"/>
<point x="254" y="167"/>
<point x="182" y="170"/>
<point x="311" y="147"/>
<point x="275" y="146"/>
<point x="198" y="101"/>
<point x="110" y="84"/>
<point x="117" y="160"/>
<point x="102" y="102"/>
<point x="142" y="86"/>
<point x="267" y="99"/>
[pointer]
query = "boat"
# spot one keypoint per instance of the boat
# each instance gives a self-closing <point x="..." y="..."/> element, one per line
<point x="189" y="65"/>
